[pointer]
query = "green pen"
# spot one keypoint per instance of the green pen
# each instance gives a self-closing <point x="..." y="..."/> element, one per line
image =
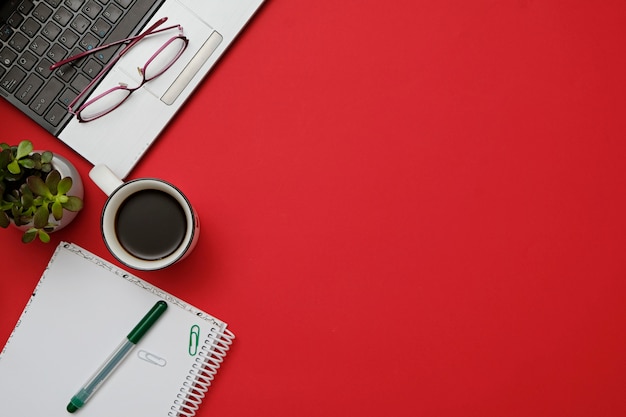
<point x="91" y="386"/>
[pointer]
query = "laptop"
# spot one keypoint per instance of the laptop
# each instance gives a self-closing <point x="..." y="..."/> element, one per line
<point x="34" y="34"/>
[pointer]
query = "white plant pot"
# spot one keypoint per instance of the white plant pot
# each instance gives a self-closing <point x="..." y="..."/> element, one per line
<point x="66" y="169"/>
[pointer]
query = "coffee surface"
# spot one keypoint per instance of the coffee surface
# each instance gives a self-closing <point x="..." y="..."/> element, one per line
<point x="150" y="224"/>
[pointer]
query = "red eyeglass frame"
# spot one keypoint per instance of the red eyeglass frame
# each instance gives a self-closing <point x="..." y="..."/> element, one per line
<point x="132" y="41"/>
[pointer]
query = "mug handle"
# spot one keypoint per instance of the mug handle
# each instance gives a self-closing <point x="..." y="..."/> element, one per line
<point x="105" y="179"/>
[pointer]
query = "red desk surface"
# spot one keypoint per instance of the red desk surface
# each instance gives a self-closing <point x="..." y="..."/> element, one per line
<point x="409" y="208"/>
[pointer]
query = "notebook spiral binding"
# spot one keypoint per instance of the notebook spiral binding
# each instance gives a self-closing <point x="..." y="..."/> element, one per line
<point x="197" y="383"/>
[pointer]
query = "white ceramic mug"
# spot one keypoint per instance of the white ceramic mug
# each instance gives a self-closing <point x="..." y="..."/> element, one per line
<point x="146" y="223"/>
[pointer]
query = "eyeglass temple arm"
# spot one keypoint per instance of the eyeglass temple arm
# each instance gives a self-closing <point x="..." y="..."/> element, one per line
<point x="132" y="40"/>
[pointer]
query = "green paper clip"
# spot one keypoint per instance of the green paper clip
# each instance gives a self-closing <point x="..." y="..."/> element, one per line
<point x="194" y="339"/>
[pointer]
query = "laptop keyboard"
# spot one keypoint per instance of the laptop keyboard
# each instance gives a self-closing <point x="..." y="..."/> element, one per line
<point x="34" y="34"/>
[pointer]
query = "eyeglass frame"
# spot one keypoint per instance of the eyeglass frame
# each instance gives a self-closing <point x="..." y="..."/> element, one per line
<point x="132" y="41"/>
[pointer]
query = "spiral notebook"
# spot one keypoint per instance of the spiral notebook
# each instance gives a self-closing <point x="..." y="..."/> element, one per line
<point x="79" y="312"/>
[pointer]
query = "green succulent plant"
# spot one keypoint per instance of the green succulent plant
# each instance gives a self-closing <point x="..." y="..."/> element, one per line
<point x="31" y="189"/>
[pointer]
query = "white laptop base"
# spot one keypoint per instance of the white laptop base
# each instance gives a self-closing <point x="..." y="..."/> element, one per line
<point x="120" y="138"/>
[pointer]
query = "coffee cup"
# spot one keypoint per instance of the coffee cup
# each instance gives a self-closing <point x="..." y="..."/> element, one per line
<point x="146" y="223"/>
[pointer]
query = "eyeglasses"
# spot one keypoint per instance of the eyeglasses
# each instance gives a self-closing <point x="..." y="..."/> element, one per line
<point x="160" y="61"/>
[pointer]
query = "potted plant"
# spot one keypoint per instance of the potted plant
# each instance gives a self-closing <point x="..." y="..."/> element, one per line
<point x="35" y="195"/>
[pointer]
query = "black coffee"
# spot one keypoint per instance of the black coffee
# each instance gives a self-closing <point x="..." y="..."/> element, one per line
<point x="150" y="224"/>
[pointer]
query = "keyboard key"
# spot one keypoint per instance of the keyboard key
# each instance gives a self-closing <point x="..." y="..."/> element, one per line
<point x="68" y="38"/>
<point x="43" y="68"/>
<point x="18" y="42"/>
<point x="12" y="79"/>
<point x="42" y="12"/>
<point x="51" y="31"/>
<point x="56" y="114"/>
<point x="5" y="32"/>
<point x="7" y="56"/>
<point x="54" y="3"/>
<point x="46" y="96"/>
<point x="30" y="27"/>
<point x="77" y="62"/>
<point x="66" y="72"/>
<point x="112" y="12"/>
<point x="28" y="88"/>
<point x="67" y="97"/>
<point x="15" y="20"/>
<point x="101" y="28"/>
<point x="27" y="60"/>
<point x="56" y="53"/>
<point x="106" y="54"/>
<point x="26" y="6"/>
<point x="39" y="45"/>
<point x="92" y="9"/>
<point x="62" y="16"/>
<point x="80" y="82"/>
<point x="73" y="4"/>
<point x="89" y="42"/>
<point x="80" y="23"/>
<point x="92" y="68"/>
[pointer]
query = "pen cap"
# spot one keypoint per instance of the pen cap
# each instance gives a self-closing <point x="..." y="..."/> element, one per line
<point x="144" y="325"/>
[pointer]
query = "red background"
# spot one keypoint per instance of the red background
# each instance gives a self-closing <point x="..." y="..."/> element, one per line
<point x="409" y="208"/>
